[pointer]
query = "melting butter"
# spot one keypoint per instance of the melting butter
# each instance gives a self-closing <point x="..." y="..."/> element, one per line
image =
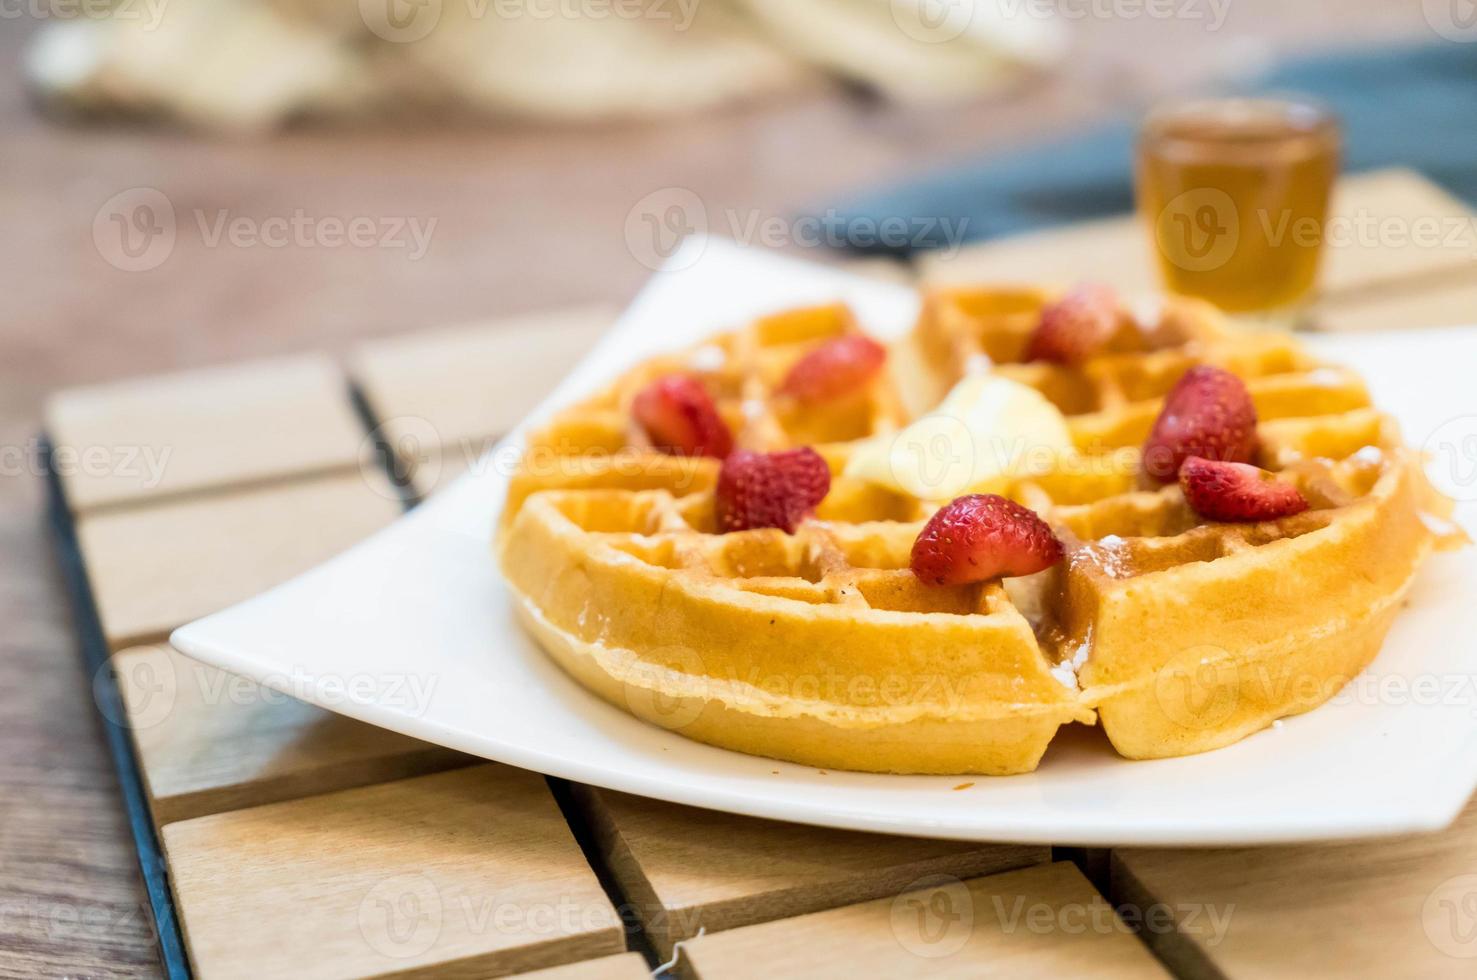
<point x="987" y="431"/>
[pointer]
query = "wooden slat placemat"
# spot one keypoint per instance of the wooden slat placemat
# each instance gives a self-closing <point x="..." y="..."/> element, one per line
<point x="1045" y="921"/>
<point x="282" y="823"/>
<point x="1402" y="907"/>
<point x="691" y="870"/>
<point x="209" y="741"/>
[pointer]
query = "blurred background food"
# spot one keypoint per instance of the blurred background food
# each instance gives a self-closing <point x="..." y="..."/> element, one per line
<point x="242" y="65"/>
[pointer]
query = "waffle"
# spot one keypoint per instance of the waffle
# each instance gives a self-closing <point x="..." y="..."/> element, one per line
<point x="823" y="648"/>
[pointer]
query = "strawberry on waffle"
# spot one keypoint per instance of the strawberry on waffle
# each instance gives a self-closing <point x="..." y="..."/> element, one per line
<point x="722" y="542"/>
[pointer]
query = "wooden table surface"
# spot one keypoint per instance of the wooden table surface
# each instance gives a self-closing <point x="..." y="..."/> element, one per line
<point x="526" y="218"/>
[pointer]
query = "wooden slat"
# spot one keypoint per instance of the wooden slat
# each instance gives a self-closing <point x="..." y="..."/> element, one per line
<point x="1404" y="907"/>
<point x="151" y="437"/>
<point x="474" y="869"/>
<point x="1448" y="302"/>
<point x="1113" y="250"/>
<point x="1375" y="241"/>
<point x="1387" y="216"/>
<point x="688" y="869"/>
<point x="1038" y="922"/>
<point x="444" y="396"/>
<point x="155" y="568"/>
<point x="626" y="966"/>
<point x="210" y="741"/>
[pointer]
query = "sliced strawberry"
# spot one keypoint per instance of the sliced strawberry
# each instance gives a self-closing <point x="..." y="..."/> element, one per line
<point x="1237" y="492"/>
<point x="770" y="489"/>
<point x="1076" y="326"/>
<point x="679" y="418"/>
<point x="1208" y="413"/>
<point x="837" y="367"/>
<point x="983" y="536"/>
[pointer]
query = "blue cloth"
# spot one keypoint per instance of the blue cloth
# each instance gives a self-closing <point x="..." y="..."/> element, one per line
<point x="1413" y="106"/>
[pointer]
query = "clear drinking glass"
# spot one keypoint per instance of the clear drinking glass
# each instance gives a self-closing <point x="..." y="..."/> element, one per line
<point x="1235" y="194"/>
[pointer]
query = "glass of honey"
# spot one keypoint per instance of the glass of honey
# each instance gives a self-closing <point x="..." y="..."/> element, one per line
<point x="1235" y="193"/>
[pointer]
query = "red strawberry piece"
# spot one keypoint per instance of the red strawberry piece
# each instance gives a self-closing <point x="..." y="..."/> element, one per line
<point x="1076" y="326"/>
<point x="837" y="367"/>
<point x="1208" y="413"/>
<point x="1239" y="492"/>
<point x="982" y="536"/>
<point x="770" y="489"/>
<point x="679" y="418"/>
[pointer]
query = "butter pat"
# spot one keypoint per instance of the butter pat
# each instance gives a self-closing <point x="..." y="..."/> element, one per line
<point x="987" y="431"/>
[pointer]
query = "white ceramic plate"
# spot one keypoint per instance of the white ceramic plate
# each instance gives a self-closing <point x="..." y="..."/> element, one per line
<point x="412" y="630"/>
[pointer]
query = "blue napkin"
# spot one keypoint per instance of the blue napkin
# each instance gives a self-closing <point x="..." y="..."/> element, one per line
<point x="1413" y="106"/>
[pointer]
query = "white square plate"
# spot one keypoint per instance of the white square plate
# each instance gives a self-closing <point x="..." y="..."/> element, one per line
<point x="412" y="630"/>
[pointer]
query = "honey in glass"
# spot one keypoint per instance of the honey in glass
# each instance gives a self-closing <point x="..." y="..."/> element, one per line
<point x="1235" y="193"/>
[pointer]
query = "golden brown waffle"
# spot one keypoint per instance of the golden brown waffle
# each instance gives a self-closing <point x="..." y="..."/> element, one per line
<point x="823" y="648"/>
<point x="1112" y="399"/>
<point x="596" y="444"/>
